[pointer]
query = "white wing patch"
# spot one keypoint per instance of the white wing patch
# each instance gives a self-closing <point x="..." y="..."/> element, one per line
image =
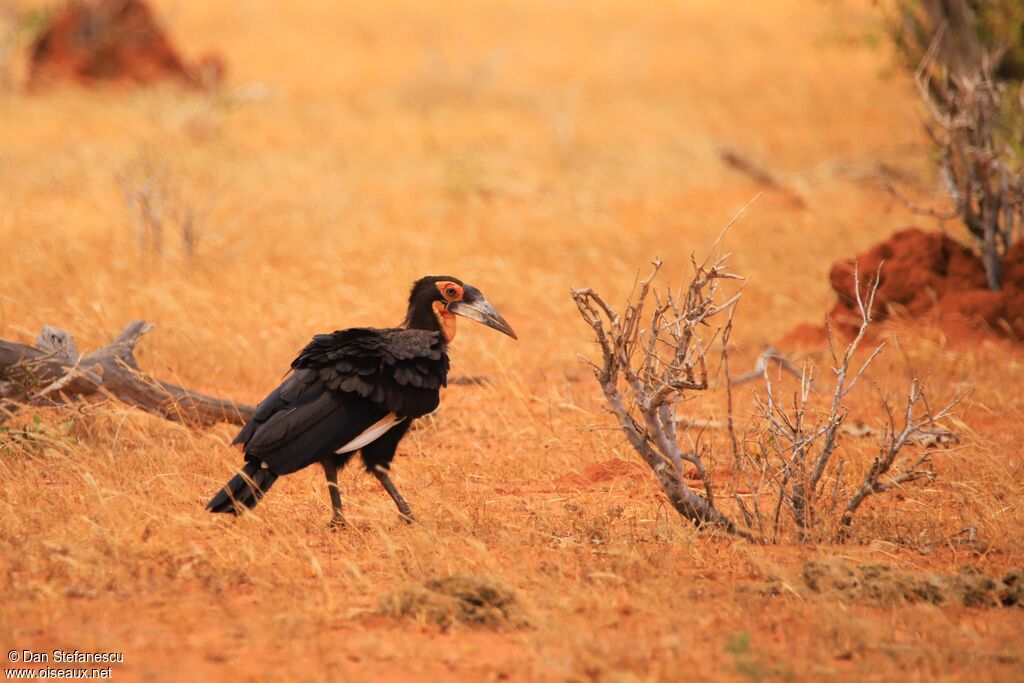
<point x="374" y="432"/>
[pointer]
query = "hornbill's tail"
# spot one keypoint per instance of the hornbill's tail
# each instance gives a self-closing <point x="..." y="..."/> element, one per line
<point x="245" y="489"/>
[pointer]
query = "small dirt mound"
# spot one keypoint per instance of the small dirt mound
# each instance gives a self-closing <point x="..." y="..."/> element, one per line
<point x="110" y="41"/>
<point x="929" y="276"/>
<point x="474" y="600"/>
<point x="879" y="584"/>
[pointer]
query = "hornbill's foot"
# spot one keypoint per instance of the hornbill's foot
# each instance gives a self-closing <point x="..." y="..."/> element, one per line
<point x="337" y="523"/>
<point x="407" y="517"/>
<point x="403" y="507"/>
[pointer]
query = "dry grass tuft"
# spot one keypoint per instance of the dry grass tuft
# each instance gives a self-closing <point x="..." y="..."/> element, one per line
<point x="882" y="584"/>
<point x="473" y="600"/>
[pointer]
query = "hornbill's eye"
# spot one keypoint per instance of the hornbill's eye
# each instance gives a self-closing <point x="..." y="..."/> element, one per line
<point x="450" y="291"/>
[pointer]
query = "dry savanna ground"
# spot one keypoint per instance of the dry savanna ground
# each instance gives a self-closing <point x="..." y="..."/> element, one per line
<point x="526" y="148"/>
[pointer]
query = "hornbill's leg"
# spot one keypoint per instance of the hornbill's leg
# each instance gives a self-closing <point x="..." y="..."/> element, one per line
<point x="382" y="476"/>
<point x="331" y="470"/>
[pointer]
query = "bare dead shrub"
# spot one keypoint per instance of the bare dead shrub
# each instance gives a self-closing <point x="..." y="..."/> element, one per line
<point x="160" y="206"/>
<point x="652" y="361"/>
<point x="969" y="29"/>
<point x="969" y="80"/>
<point x="796" y="462"/>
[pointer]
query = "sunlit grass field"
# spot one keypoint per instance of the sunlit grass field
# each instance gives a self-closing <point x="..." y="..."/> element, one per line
<point x="526" y="148"/>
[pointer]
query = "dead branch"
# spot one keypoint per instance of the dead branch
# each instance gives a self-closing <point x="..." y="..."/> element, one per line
<point x="770" y="354"/>
<point x="913" y="207"/>
<point x="650" y="357"/>
<point x="918" y="427"/>
<point x="759" y="175"/>
<point x="801" y="451"/>
<point x="749" y="168"/>
<point x="471" y="380"/>
<point x="51" y="373"/>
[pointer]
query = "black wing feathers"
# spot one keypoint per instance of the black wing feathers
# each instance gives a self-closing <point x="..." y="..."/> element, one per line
<point x="301" y="422"/>
<point x="342" y="384"/>
<point x="301" y="385"/>
<point x="400" y="370"/>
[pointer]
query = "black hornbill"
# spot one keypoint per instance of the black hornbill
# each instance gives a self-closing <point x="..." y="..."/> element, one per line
<point x="356" y="390"/>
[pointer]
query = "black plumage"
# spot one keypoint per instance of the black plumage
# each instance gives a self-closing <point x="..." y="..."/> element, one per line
<point x="399" y="369"/>
<point x="347" y="386"/>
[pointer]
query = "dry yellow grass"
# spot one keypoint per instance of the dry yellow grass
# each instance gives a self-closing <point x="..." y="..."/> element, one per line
<point x="525" y="148"/>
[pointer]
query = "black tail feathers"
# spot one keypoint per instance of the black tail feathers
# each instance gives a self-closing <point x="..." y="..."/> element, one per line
<point x="244" y="489"/>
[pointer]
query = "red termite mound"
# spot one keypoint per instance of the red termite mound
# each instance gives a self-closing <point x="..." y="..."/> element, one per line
<point x="109" y="41"/>
<point x="929" y="276"/>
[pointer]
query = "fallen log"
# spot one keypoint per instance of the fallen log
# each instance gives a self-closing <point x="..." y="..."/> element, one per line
<point x="760" y="175"/>
<point x="52" y="373"/>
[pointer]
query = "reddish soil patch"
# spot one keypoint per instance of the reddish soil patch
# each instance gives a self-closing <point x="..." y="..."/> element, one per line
<point x="927" y="276"/>
<point x="111" y="41"/>
<point x="804" y="335"/>
<point x="601" y="473"/>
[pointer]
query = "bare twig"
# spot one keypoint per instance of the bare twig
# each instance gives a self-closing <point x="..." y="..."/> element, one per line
<point x="761" y="365"/>
<point x="760" y="175"/>
<point x="917" y="426"/>
<point x="913" y="207"/>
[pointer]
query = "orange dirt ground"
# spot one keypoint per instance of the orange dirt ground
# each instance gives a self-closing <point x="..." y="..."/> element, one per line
<point x="527" y="148"/>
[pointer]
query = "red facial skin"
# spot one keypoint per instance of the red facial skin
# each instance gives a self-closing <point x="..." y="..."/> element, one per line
<point x="451" y="291"/>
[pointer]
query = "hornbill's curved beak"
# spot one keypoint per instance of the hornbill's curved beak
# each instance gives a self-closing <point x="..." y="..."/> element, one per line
<point x="477" y="308"/>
